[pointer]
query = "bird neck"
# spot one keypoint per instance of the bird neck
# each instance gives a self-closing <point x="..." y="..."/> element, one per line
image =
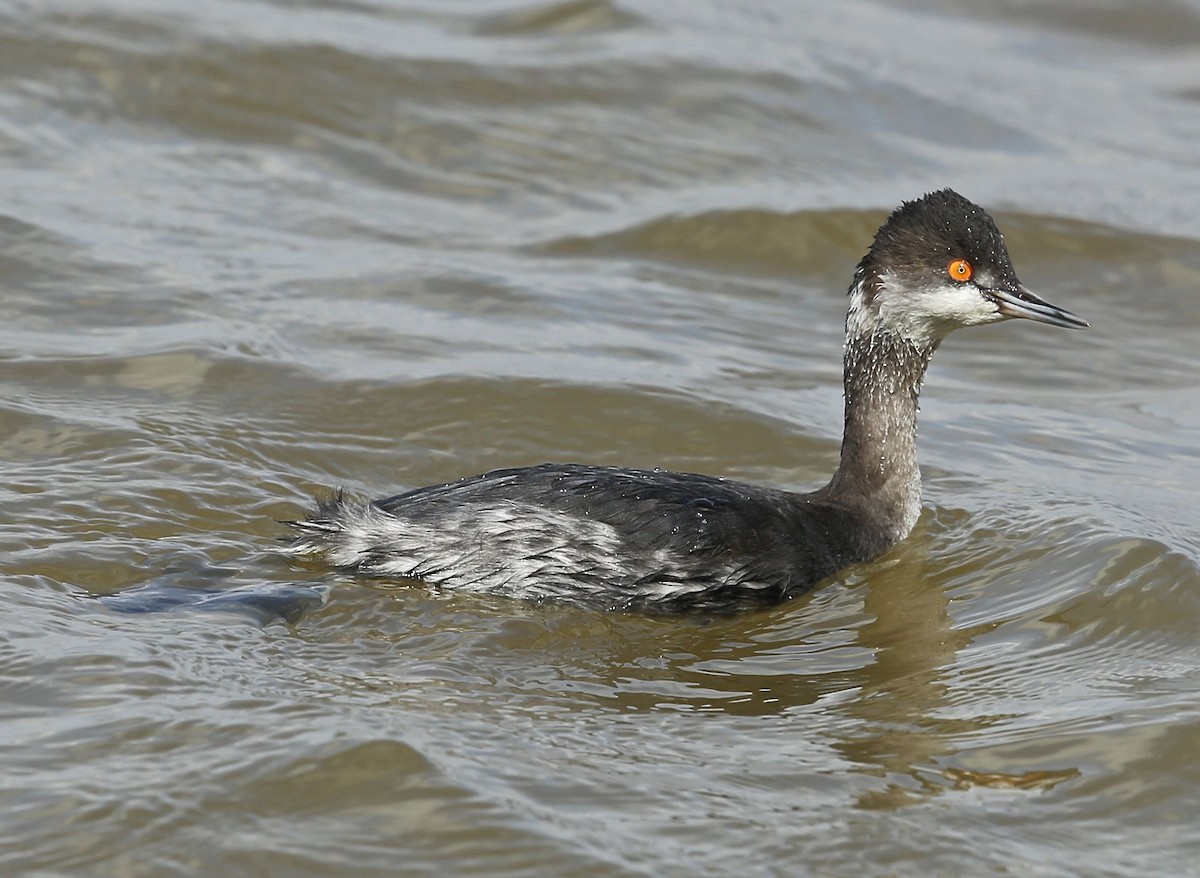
<point x="878" y="478"/>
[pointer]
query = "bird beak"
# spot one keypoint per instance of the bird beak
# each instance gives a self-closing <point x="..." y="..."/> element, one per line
<point x="1022" y="302"/>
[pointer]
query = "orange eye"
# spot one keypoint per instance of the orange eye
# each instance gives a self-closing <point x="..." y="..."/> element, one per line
<point x="960" y="270"/>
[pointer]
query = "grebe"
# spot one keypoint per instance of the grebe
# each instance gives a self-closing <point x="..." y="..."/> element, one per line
<point x="648" y="539"/>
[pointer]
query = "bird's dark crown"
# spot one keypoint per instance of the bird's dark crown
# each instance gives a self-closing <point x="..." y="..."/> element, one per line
<point x="921" y="237"/>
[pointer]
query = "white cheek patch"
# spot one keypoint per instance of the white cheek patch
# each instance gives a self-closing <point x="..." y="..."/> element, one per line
<point x="928" y="315"/>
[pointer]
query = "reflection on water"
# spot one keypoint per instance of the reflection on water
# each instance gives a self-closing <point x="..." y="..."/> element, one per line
<point x="250" y="252"/>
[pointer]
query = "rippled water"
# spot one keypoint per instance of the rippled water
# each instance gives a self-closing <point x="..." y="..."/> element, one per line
<point x="253" y="250"/>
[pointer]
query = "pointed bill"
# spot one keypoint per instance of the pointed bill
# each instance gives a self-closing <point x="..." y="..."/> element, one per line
<point x="1023" y="302"/>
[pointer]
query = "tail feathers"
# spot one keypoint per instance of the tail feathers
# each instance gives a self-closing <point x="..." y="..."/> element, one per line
<point x="317" y="533"/>
<point x="354" y="535"/>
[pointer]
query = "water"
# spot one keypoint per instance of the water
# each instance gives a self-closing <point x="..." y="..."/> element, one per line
<point x="251" y="251"/>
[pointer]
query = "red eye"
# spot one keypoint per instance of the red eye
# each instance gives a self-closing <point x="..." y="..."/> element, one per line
<point x="960" y="270"/>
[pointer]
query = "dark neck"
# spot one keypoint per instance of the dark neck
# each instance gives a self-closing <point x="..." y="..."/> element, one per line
<point x="878" y="478"/>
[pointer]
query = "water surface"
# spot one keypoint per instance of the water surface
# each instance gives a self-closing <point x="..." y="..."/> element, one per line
<point x="250" y="251"/>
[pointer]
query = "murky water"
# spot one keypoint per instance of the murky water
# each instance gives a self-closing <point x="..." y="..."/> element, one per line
<point x="254" y="250"/>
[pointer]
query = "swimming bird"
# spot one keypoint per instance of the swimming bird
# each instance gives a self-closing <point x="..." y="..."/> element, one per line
<point x="656" y="540"/>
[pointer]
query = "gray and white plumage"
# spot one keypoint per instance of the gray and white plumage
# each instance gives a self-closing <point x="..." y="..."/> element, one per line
<point x="651" y="539"/>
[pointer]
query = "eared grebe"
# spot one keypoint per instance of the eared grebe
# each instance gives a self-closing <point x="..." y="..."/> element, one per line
<point x="623" y="538"/>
